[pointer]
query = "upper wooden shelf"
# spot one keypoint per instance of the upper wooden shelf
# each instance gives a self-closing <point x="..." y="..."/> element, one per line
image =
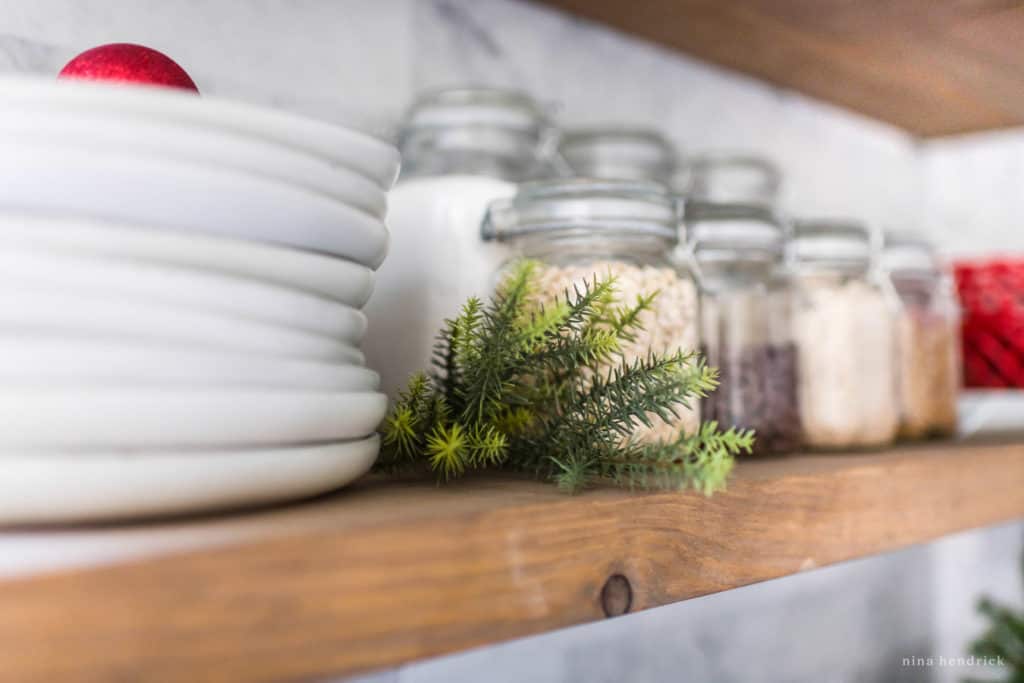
<point x="389" y="572"/>
<point x="933" y="67"/>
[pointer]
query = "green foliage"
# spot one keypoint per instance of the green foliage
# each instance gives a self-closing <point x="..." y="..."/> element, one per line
<point x="544" y="388"/>
<point x="1004" y="638"/>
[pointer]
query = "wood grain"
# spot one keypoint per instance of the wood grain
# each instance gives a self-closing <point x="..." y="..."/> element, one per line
<point x="391" y="572"/>
<point x="933" y="68"/>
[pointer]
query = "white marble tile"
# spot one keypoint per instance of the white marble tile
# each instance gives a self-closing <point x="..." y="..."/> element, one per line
<point x="974" y="201"/>
<point x="346" y="61"/>
<point x="25" y="56"/>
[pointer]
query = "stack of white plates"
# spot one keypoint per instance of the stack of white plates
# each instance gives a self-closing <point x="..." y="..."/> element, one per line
<point x="181" y="284"/>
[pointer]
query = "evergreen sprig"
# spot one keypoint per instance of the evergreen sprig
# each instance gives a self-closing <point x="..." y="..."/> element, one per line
<point x="1003" y="640"/>
<point x="545" y="388"/>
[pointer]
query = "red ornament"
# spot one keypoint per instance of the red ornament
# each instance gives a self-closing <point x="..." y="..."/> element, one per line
<point x="128" y="63"/>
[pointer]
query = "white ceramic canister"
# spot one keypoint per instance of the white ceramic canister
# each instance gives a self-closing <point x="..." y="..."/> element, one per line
<point x="461" y="150"/>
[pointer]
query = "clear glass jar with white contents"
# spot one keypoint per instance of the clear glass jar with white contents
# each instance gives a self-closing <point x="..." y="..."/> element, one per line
<point x="581" y="228"/>
<point x="928" y="334"/>
<point x="729" y="178"/>
<point x="620" y="153"/>
<point x="844" y="327"/>
<point x="461" y="149"/>
<point x="746" y="326"/>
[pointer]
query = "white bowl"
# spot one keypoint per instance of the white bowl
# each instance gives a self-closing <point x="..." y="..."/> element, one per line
<point x="100" y="133"/>
<point x="372" y="157"/>
<point x="183" y="196"/>
<point x="120" y="280"/>
<point x="78" y="363"/>
<point x="26" y="312"/>
<point x="89" y="417"/>
<point x="339" y="279"/>
<point x="106" y="486"/>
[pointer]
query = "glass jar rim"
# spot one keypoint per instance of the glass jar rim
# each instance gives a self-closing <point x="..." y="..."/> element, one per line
<point x="747" y="231"/>
<point x="909" y="253"/>
<point x="585" y="206"/>
<point x="471" y="106"/>
<point x="644" y="145"/>
<point x="838" y="240"/>
<point x="705" y="172"/>
<point x="502" y="130"/>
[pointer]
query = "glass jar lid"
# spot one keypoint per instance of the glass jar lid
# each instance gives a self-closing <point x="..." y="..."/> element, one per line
<point x="908" y="253"/>
<point x="585" y="206"/>
<point x="473" y="106"/>
<point x="831" y="241"/>
<point x="620" y="152"/>
<point x="454" y="123"/>
<point x="719" y="231"/>
<point x="732" y="178"/>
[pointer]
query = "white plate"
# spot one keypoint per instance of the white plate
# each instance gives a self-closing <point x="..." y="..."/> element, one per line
<point x="65" y="363"/>
<point x="106" y="277"/>
<point x="372" y="157"/>
<point x="177" y="418"/>
<point x="100" y="133"/>
<point x="183" y="196"/>
<point x="109" y="486"/>
<point x="26" y="312"/>
<point x="339" y="279"/>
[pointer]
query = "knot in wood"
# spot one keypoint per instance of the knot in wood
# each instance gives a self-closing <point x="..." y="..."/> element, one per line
<point x="616" y="596"/>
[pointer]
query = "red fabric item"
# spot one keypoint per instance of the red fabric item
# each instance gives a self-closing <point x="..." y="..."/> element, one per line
<point x="992" y="295"/>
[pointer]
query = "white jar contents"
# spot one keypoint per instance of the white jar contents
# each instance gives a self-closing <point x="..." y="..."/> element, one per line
<point x="845" y="337"/>
<point x="669" y="326"/>
<point x="436" y="261"/>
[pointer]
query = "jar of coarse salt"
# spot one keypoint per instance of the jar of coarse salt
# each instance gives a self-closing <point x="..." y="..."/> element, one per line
<point x="578" y="229"/>
<point x="461" y="149"/>
<point x="844" y="328"/>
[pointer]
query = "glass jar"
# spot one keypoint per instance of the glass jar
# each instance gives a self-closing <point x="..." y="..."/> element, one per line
<point x="477" y="131"/>
<point x="620" y="153"/>
<point x="844" y="327"/>
<point x="581" y="228"/>
<point x="461" y="150"/>
<point x="731" y="179"/>
<point x="928" y="332"/>
<point x="746" y="326"/>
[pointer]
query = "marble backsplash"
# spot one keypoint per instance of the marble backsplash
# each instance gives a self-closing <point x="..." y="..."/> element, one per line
<point x="362" y="61"/>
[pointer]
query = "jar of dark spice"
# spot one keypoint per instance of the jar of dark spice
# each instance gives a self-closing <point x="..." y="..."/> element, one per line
<point x="746" y="331"/>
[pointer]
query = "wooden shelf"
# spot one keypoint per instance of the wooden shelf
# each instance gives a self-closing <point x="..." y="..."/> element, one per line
<point x="933" y="68"/>
<point x="389" y="572"/>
